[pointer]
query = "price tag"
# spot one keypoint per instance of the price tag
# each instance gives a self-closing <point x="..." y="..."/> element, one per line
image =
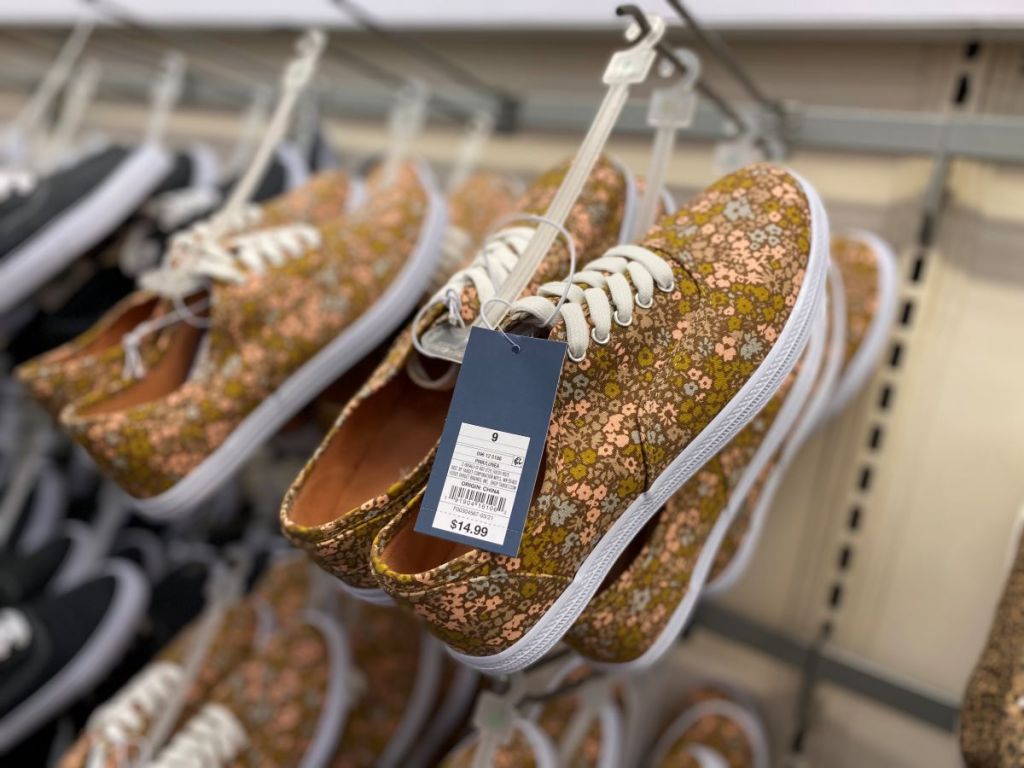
<point x="486" y="467"/>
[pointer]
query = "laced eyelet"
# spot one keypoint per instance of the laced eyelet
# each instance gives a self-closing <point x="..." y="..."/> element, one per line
<point x="576" y="359"/>
<point x="640" y="304"/>
<point x="602" y="342"/>
<point x="620" y="323"/>
<point x="667" y="289"/>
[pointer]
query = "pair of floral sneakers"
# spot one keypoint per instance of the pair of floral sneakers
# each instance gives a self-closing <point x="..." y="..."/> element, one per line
<point x="253" y="314"/>
<point x="594" y="722"/>
<point x="682" y="350"/>
<point x="283" y="683"/>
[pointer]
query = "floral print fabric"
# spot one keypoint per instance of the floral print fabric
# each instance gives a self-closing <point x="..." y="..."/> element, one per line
<point x="342" y="546"/>
<point x="738" y="254"/>
<point x="718" y="733"/>
<point x="262" y="331"/>
<point x="93" y="363"/>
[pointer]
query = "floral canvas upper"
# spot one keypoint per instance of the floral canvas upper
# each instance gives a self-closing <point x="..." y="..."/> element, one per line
<point x="321" y="513"/>
<point x="738" y="254"/>
<point x="94" y="361"/>
<point x="858" y="263"/>
<point x="262" y="330"/>
<point x="717" y="732"/>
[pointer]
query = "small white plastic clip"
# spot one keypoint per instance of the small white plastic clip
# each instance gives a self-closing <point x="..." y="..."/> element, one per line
<point x="405" y="123"/>
<point x="77" y="98"/>
<point x="478" y="132"/>
<point x="495" y="718"/>
<point x="671" y="109"/>
<point x="165" y="94"/>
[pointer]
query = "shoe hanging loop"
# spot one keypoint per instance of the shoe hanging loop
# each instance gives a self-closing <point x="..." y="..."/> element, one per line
<point x="165" y="95"/>
<point x="625" y="68"/>
<point x="671" y="109"/>
<point x="478" y="133"/>
<point x="405" y="123"/>
<point x="297" y="75"/>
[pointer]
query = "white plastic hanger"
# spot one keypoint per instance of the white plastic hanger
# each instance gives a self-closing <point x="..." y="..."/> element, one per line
<point x="27" y="120"/>
<point x="405" y="123"/>
<point x="164" y="96"/>
<point x="478" y="133"/>
<point x="670" y="110"/>
<point x="257" y="114"/>
<point x="297" y="75"/>
<point x="626" y="68"/>
<point x="77" y="98"/>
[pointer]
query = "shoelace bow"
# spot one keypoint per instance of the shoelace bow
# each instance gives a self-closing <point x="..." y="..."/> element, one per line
<point x="125" y="716"/>
<point x="211" y="739"/>
<point x="608" y="287"/>
<point x="15" y="632"/>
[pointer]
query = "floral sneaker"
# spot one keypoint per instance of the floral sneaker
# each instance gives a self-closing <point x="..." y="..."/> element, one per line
<point x="635" y="616"/>
<point x="578" y="729"/>
<point x="284" y="706"/>
<point x="378" y="454"/>
<point x="95" y="360"/>
<point x="717" y="308"/>
<point x="863" y="287"/>
<point x="714" y="729"/>
<point x="115" y="732"/>
<point x="291" y="309"/>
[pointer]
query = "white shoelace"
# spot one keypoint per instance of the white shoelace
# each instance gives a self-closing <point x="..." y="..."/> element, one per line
<point x="206" y="259"/>
<point x="607" y="293"/>
<point x="15" y="633"/>
<point x="124" y="717"/>
<point x="172" y="209"/>
<point x="16" y="183"/>
<point x="211" y="739"/>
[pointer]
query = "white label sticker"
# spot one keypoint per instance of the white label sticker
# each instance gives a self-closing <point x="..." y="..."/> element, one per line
<point x="480" y="487"/>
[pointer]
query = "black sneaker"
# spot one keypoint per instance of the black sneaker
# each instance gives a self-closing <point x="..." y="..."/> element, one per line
<point x="55" y="650"/>
<point x="70" y="212"/>
<point x="58" y="565"/>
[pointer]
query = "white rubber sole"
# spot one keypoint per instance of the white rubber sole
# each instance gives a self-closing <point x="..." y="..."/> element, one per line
<point x="865" y="359"/>
<point x="451" y="713"/>
<point x="49" y="505"/>
<point x="371" y="595"/>
<point x="337" y="700"/>
<point x="773" y="440"/>
<point x="348" y="348"/>
<point x="100" y="652"/>
<point x="811" y="417"/>
<point x="83" y="225"/>
<point x="742" y="714"/>
<point x="419" y="706"/>
<point x="751" y="398"/>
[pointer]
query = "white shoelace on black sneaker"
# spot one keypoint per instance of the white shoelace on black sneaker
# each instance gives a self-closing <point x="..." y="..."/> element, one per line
<point x="15" y="633"/>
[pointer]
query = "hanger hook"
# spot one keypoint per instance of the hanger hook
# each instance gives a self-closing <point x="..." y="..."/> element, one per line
<point x="643" y="27"/>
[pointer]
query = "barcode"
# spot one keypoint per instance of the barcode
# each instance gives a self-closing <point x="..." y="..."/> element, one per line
<point x="491" y="500"/>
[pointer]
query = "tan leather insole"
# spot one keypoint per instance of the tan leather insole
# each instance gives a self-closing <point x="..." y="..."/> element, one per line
<point x="386" y="437"/>
<point x="163" y="378"/>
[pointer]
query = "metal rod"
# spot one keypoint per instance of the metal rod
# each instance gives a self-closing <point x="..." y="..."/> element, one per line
<point x="714" y="43"/>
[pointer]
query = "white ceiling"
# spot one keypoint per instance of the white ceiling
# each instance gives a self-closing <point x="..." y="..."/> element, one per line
<point x="545" y="13"/>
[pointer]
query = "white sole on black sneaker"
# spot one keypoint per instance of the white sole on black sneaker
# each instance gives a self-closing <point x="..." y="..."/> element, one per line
<point x="93" y="661"/>
<point x="82" y="225"/>
<point x="751" y="398"/>
<point x="348" y="348"/>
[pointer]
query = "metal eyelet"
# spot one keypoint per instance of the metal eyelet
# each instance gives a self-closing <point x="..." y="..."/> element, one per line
<point x="667" y="289"/>
<point x="648" y="305"/>
<point x="620" y="323"/>
<point x="577" y="359"/>
<point x="602" y="342"/>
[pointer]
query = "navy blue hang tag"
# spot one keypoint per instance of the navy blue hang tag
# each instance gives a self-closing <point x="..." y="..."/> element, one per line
<point x="486" y="466"/>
